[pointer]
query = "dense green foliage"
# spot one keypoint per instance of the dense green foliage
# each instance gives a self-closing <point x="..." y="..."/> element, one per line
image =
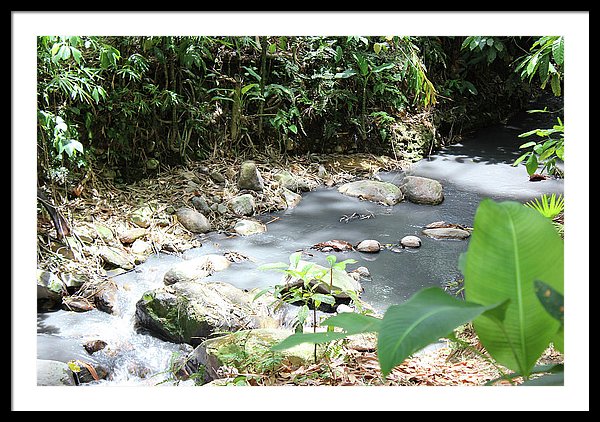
<point x="135" y="103"/>
<point x="547" y="152"/>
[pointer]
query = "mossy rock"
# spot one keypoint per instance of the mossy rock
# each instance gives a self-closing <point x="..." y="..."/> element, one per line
<point x="422" y="190"/>
<point x="374" y="191"/>
<point x="250" y="351"/>
<point x="190" y="311"/>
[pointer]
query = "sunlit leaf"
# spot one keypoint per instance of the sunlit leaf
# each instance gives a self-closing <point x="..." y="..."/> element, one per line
<point x="558" y="50"/>
<point x="532" y="164"/>
<point x="345" y="74"/>
<point x="503" y="260"/>
<point x="423" y="319"/>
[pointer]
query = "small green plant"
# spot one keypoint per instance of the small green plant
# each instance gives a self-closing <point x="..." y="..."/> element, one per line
<point x="549" y="206"/>
<point x="334" y="265"/>
<point x="310" y="293"/>
<point x="545" y="152"/>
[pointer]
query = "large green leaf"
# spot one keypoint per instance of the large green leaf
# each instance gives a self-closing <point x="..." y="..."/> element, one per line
<point x="511" y="246"/>
<point x="423" y="319"/>
<point x="558" y="50"/>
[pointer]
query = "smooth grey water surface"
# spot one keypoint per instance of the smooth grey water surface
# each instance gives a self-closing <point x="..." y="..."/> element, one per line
<point x="477" y="168"/>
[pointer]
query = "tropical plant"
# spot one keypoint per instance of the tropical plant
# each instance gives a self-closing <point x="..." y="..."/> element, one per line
<point x="485" y="48"/>
<point x="546" y="59"/>
<point x="551" y="207"/>
<point x="306" y="294"/>
<point x="548" y="206"/>
<point x="503" y="270"/>
<point x="546" y="152"/>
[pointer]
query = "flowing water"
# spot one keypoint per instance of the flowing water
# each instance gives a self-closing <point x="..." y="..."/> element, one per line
<point x="478" y="168"/>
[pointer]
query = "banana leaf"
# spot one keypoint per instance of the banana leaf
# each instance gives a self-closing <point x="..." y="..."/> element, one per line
<point x="511" y="247"/>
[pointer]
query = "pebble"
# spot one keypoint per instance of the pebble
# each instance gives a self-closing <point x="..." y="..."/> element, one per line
<point x="368" y="245"/>
<point x="410" y="241"/>
<point x="342" y="308"/>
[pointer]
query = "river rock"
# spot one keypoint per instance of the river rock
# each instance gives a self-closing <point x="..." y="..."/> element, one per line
<point x="190" y="312"/>
<point x="142" y="216"/>
<point x="129" y="236"/>
<point x="49" y="290"/>
<point x="342" y="281"/>
<point x="217" y="177"/>
<point x="422" y="190"/>
<point x="101" y="295"/>
<point x="92" y="346"/>
<point x="189" y="175"/>
<point x="73" y="281"/>
<point x="369" y="246"/>
<point x="291" y="199"/>
<point x="447" y="233"/>
<point x="363" y="272"/>
<point x="195" y="269"/>
<point x="373" y="190"/>
<point x="248" y="227"/>
<point x="410" y="242"/>
<point x="363" y="342"/>
<point x="91" y="373"/>
<point x="343" y="308"/>
<point x="193" y="220"/>
<point x="104" y="232"/>
<point x="243" y="205"/>
<point x="141" y="247"/>
<point x="114" y="257"/>
<point x="244" y="350"/>
<point x="201" y="204"/>
<point x="291" y="182"/>
<point x="249" y="177"/>
<point x="54" y="373"/>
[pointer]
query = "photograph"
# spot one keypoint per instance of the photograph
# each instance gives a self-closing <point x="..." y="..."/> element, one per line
<point x="300" y="211"/>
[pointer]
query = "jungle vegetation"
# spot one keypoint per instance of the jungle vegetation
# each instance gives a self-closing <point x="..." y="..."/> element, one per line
<point x="133" y="104"/>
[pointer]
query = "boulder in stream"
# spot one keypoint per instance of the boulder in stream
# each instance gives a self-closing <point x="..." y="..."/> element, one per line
<point x="291" y="199"/>
<point x="291" y="182"/>
<point x="374" y="191"/>
<point x="422" y="190"/>
<point x="195" y="269"/>
<point x="190" y="312"/>
<point x="248" y="227"/>
<point x="54" y="373"/>
<point x="410" y="241"/>
<point x="369" y="246"/>
<point x="447" y="233"/>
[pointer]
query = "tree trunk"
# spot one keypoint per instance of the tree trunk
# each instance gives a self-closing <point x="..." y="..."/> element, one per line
<point x="236" y="112"/>
<point x="263" y="76"/>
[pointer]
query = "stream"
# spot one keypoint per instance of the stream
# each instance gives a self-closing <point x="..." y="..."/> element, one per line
<point x="477" y="168"/>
